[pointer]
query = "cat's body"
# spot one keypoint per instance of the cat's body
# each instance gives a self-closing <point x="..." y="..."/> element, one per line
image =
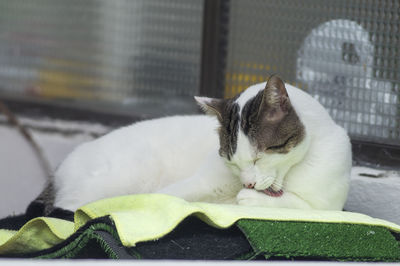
<point x="140" y="158"/>
<point x="187" y="156"/>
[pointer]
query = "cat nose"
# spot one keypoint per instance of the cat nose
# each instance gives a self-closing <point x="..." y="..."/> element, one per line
<point x="250" y="185"/>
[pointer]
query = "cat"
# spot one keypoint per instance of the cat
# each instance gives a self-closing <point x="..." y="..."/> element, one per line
<point x="272" y="145"/>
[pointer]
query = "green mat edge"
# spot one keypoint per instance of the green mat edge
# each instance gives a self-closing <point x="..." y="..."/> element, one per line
<point x="71" y="249"/>
<point x="247" y="226"/>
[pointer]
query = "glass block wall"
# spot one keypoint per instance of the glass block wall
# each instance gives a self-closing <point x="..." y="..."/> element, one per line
<point x="127" y="54"/>
<point x="346" y="53"/>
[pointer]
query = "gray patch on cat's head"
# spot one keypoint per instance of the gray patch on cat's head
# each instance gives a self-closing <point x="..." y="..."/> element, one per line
<point x="227" y="112"/>
<point x="270" y="121"/>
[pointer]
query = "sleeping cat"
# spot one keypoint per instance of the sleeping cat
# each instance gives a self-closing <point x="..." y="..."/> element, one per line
<point x="272" y="145"/>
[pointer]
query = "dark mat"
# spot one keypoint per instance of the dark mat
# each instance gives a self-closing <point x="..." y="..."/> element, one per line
<point x="193" y="239"/>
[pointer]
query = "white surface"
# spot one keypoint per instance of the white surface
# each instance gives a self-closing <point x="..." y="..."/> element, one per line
<point x="21" y="177"/>
<point x="376" y="197"/>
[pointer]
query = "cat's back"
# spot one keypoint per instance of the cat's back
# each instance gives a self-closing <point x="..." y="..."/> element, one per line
<point x="307" y="107"/>
<point x="163" y="130"/>
<point x="145" y="155"/>
<point x="166" y="135"/>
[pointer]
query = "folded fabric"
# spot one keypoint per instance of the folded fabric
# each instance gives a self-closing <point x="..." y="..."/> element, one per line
<point x="270" y="231"/>
<point x="37" y="234"/>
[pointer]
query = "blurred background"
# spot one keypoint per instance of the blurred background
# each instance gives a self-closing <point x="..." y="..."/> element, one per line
<point x="73" y="70"/>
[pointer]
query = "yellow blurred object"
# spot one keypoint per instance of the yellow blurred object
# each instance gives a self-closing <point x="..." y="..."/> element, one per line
<point x="58" y="82"/>
<point x="237" y="82"/>
<point x="55" y="84"/>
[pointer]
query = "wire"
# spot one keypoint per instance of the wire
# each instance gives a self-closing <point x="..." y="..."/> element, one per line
<point x="13" y="120"/>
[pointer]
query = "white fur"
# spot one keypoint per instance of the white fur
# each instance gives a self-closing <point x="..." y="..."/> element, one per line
<point x="179" y="156"/>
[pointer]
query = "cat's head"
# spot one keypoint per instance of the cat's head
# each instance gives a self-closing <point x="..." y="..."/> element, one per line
<point x="260" y="134"/>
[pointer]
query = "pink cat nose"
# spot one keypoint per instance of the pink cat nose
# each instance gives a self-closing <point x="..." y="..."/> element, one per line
<point x="250" y="185"/>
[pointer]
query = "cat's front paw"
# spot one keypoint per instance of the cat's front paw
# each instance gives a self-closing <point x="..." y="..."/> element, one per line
<point x="248" y="197"/>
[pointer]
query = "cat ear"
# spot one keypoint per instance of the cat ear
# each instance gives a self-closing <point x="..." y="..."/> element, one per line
<point x="210" y="106"/>
<point x="275" y="104"/>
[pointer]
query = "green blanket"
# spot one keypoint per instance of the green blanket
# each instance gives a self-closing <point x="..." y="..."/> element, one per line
<point x="286" y="233"/>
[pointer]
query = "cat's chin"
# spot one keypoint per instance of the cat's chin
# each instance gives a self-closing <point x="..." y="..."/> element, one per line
<point x="273" y="193"/>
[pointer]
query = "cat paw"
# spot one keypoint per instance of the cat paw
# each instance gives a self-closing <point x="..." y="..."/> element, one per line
<point x="248" y="197"/>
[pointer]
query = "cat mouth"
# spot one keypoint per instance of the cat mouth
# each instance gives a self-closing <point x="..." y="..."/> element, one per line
<point x="272" y="193"/>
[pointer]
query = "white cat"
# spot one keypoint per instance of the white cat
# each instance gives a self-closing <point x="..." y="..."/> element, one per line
<point x="272" y="145"/>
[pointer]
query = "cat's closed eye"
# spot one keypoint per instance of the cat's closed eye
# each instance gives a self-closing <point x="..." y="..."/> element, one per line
<point x="280" y="146"/>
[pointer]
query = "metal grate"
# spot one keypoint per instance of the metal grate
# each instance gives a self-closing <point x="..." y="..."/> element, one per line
<point x="345" y="53"/>
<point x="131" y="53"/>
